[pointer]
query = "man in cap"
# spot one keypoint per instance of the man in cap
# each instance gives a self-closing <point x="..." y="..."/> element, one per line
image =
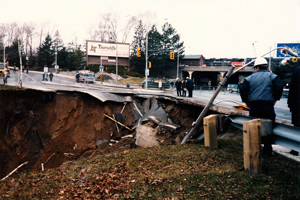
<point x="260" y="91"/>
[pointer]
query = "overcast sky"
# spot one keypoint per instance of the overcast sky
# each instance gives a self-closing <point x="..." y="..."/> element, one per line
<point x="212" y="28"/>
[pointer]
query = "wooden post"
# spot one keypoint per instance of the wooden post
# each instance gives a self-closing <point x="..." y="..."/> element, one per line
<point x="252" y="145"/>
<point x="210" y="131"/>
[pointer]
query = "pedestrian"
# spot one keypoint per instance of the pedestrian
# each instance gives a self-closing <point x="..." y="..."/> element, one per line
<point x="160" y="84"/>
<point x="77" y="77"/>
<point x="4" y="76"/>
<point x="184" y="88"/>
<point x="172" y="84"/>
<point x="294" y="100"/>
<point x="51" y="76"/>
<point x="190" y="86"/>
<point x="260" y="91"/>
<point x="178" y="87"/>
<point x="45" y="76"/>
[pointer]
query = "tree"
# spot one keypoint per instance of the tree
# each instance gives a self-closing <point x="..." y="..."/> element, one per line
<point x="46" y="52"/>
<point x="159" y="47"/>
<point x="76" y="59"/>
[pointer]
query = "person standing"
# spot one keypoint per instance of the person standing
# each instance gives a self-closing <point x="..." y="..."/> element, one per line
<point x="51" y="76"/>
<point x="4" y="76"/>
<point x="184" y="88"/>
<point x="294" y="100"/>
<point x="260" y="91"/>
<point x="178" y="87"/>
<point x="190" y="86"/>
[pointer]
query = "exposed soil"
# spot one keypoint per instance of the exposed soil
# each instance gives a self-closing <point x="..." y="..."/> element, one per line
<point x="50" y="129"/>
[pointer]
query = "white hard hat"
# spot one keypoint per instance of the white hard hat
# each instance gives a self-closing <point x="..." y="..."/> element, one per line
<point x="260" y="61"/>
<point x="187" y="77"/>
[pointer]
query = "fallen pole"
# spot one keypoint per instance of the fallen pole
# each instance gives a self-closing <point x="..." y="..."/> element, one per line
<point x="14" y="171"/>
<point x="117" y="121"/>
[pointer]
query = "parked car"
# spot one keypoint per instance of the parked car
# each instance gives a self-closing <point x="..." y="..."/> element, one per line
<point x="233" y="88"/>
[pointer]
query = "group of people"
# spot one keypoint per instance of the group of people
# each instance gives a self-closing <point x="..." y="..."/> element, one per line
<point x="45" y="76"/>
<point x="183" y="86"/>
<point x="262" y="89"/>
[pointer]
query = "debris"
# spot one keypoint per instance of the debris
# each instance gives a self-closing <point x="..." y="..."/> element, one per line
<point x="123" y="107"/>
<point x="69" y="154"/>
<point x="49" y="158"/>
<point x="146" y="136"/>
<point x="117" y="122"/>
<point x="137" y="110"/>
<point x="14" y="170"/>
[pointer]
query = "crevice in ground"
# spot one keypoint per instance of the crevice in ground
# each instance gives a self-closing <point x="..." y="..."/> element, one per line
<point x="51" y="129"/>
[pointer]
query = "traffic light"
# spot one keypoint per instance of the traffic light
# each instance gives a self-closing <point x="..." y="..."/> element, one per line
<point x="101" y="78"/>
<point x="172" y="55"/>
<point x="138" y="52"/>
<point x="149" y="65"/>
<point x="294" y="59"/>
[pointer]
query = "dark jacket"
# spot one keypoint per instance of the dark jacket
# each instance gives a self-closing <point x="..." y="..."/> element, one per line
<point x="189" y="84"/>
<point x="261" y="86"/>
<point x="178" y="84"/>
<point x="184" y="84"/>
<point x="294" y="96"/>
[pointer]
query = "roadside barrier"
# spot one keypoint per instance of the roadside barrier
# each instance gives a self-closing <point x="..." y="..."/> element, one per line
<point x="253" y="128"/>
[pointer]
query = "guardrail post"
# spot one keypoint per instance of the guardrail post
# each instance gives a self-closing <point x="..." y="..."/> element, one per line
<point x="210" y="131"/>
<point x="252" y="145"/>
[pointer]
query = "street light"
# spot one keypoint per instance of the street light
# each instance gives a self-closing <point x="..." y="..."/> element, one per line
<point x="230" y="72"/>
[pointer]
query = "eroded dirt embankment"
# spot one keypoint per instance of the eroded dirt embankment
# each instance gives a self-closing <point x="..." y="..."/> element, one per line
<point x="51" y="129"/>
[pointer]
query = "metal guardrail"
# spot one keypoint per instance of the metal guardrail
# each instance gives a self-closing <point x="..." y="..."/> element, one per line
<point x="286" y="136"/>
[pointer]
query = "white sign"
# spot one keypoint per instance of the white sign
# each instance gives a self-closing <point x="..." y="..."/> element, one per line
<point x="108" y="49"/>
<point x="45" y="69"/>
<point x="147" y="72"/>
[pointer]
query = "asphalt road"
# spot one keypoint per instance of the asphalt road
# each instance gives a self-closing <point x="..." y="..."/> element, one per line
<point x="228" y="99"/>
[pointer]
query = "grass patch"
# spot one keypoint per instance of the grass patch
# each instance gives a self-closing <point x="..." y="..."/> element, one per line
<point x="132" y="81"/>
<point x="8" y="87"/>
<point x="189" y="171"/>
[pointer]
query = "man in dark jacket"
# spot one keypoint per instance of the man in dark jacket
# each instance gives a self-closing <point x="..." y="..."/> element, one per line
<point x="178" y="86"/>
<point x="294" y="99"/>
<point x="260" y="91"/>
<point x="190" y="86"/>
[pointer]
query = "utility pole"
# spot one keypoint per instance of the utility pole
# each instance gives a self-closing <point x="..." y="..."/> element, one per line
<point x="146" y="66"/>
<point x="21" y="68"/>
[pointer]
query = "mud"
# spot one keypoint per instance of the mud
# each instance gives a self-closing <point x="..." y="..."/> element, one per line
<point x="52" y="129"/>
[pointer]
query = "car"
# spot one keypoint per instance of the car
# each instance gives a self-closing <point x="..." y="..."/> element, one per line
<point x="233" y="88"/>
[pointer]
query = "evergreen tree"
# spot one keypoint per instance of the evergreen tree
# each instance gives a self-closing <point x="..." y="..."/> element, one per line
<point x="76" y="60"/>
<point x="138" y="63"/>
<point x="46" y="53"/>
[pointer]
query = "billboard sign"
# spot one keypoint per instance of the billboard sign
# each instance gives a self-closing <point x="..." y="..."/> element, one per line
<point x="95" y="48"/>
<point x="237" y="64"/>
<point x="295" y="47"/>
